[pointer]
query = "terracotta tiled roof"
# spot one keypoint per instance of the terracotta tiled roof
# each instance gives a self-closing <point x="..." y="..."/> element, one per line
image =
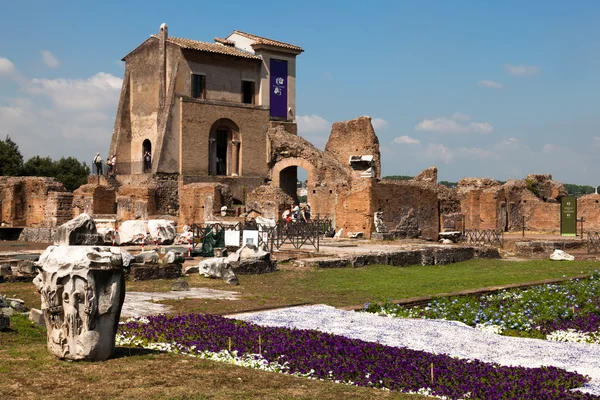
<point x="210" y="47"/>
<point x="226" y="42"/>
<point x="270" y="42"/>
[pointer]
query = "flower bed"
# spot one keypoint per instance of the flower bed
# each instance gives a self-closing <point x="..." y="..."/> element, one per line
<point x="324" y="356"/>
<point x="542" y="310"/>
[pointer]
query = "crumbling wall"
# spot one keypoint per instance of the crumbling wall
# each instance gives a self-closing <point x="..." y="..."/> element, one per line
<point x="354" y="209"/>
<point x="268" y="201"/>
<point x="58" y="209"/>
<point x="166" y="194"/>
<point x="588" y="206"/>
<point x="327" y="177"/>
<point x="201" y="202"/>
<point x="540" y="216"/>
<point x="410" y="209"/>
<point x="94" y="199"/>
<point x="25" y="200"/>
<point x="355" y="137"/>
<point x="488" y="205"/>
<point x="135" y="202"/>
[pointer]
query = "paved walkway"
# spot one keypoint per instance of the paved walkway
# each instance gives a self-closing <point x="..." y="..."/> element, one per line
<point x="440" y="337"/>
<point x="139" y="304"/>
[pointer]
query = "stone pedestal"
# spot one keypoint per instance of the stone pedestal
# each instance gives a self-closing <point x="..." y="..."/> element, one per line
<point x="82" y="289"/>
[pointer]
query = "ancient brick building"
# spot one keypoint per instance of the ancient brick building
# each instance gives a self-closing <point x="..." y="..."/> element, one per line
<point x="34" y="202"/>
<point x="203" y="109"/>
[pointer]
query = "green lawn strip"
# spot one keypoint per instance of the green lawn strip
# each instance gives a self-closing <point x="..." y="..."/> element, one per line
<point x="384" y="282"/>
<point x="347" y="286"/>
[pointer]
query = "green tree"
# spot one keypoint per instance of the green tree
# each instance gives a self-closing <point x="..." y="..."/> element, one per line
<point x="449" y="184"/>
<point x="71" y="172"/>
<point x="39" y="166"/>
<point x="11" y="160"/>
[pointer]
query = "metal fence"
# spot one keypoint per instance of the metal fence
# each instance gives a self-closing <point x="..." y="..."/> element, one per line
<point x="593" y="243"/>
<point x="483" y="237"/>
<point x="297" y="234"/>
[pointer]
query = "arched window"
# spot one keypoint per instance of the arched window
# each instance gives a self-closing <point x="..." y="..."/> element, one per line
<point x="224" y="149"/>
<point x="147" y="156"/>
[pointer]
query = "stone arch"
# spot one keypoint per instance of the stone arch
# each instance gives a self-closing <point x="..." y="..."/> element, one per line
<point x="225" y="148"/>
<point x="280" y="180"/>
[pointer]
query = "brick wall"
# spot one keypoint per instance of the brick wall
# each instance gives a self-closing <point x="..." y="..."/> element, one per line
<point x="24" y="200"/>
<point x="406" y="206"/>
<point x="588" y="206"/>
<point x="94" y="199"/>
<point x="135" y="202"/>
<point x="197" y="120"/>
<point x="200" y="202"/>
<point x="58" y="209"/>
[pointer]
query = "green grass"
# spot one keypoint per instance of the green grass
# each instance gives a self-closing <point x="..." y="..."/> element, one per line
<point x="382" y="282"/>
<point x="28" y="371"/>
<point x="346" y="286"/>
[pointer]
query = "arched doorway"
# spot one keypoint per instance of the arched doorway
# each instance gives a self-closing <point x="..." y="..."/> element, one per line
<point x="295" y="176"/>
<point x="146" y="156"/>
<point x="224" y="150"/>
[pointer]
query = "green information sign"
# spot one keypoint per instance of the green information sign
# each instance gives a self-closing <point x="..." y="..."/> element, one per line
<point x="568" y="216"/>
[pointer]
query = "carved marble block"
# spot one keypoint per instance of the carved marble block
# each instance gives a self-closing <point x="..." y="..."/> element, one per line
<point x="82" y="289"/>
<point x="380" y="226"/>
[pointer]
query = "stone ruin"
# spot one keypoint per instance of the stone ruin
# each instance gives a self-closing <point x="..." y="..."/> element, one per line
<point x="344" y="184"/>
<point x="82" y="290"/>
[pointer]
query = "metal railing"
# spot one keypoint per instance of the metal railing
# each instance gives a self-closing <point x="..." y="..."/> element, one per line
<point x="483" y="237"/>
<point x="593" y="243"/>
<point x="298" y="234"/>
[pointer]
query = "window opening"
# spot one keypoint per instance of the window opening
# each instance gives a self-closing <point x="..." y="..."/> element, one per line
<point x="199" y="87"/>
<point x="248" y="92"/>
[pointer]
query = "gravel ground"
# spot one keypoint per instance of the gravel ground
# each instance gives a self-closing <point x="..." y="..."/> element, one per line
<point x="440" y="337"/>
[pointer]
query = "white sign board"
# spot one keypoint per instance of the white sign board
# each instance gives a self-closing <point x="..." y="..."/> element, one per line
<point x="250" y="237"/>
<point x="232" y="238"/>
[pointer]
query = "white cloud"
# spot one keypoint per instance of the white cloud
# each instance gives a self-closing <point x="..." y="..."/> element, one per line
<point x="62" y="117"/>
<point x="314" y="128"/>
<point x="522" y="70"/>
<point x="99" y="91"/>
<point x="550" y="148"/>
<point x="439" y="152"/>
<point x="7" y="68"/>
<point x="476" y="152"/>
<point x="406" y="140"/>
<point x="49" y="59"/>
<point x="457" y="124"/>
<point x="379" y="123"/>
<point x="312" y="124"/>
<point x="489" y="84"/>
<point x="460" y="117"/>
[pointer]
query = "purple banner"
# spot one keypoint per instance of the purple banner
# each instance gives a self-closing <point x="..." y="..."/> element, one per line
<point x="279" y="77"/>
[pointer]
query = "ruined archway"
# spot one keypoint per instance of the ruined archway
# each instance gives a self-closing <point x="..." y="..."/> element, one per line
<point x="224" y="149"/>
<point x="285" y="176"/>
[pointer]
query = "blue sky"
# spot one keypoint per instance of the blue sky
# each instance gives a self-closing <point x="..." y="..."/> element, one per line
<point x="476" y="88"/>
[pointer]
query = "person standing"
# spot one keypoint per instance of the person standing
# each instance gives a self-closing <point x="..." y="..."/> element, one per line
<point x="98" y="164"/>
<point x="113" y="163"/>
<point x="307" y="212"/>
<point x="147" y="161"/>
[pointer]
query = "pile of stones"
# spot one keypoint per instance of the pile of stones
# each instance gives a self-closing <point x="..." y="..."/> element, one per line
<point x="248" y="260"/>
<point x="9" y="307"/>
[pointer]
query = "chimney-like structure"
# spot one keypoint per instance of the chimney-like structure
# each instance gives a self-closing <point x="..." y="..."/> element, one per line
<point x="163" y="36"/>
